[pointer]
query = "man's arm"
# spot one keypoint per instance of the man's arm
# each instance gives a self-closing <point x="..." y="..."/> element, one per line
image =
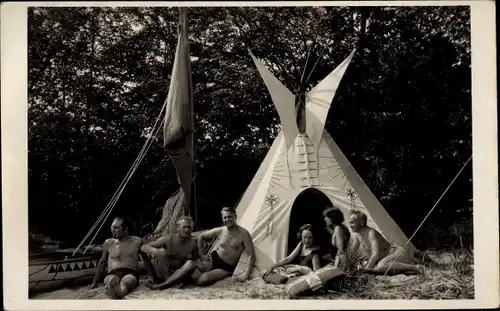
<point x="143" y="252"/>
<point x="153" y="247"/>
<point x="375" y="249"/>
<point x="161" y="241"/>
<point x="207" y="235"/>
<point x="195" y="253"/>
<point x="248" y="243"/>
<point x="102" y="263"/>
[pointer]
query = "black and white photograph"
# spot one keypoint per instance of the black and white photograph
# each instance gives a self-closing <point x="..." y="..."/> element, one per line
<point x="272" y="153"/>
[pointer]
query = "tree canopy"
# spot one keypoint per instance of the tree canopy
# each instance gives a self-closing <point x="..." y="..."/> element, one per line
<point x="99" y="76"/>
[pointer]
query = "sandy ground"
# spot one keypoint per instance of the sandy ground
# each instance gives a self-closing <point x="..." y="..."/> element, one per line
<point x="386" y="287"/>
<point x="252" y="289"/>
<point x="437" y="280"/>
<point x="224" y="289"/>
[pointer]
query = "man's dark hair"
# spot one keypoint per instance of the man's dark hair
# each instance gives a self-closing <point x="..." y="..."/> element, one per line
<point x="126" y="223"/>
<point x="228" y="209"/>
<point x="335" y="215"/>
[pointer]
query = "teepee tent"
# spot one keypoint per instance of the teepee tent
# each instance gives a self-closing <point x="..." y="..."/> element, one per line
<point x="298" y="161"/>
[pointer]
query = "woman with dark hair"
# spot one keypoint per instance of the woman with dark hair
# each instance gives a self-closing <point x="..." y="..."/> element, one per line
<point x="306" y="254"/>
<point x="340" y="235"/>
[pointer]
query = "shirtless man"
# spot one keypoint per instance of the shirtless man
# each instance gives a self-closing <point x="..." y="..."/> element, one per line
<point x="176" y="254"/>
<point x="221" y="263"/>
<point x="380" y="253"/>
<point x="121" y="255"/>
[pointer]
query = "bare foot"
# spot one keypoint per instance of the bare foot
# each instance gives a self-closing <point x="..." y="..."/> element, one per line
<point x="178" y="286"/>
<point x="152" y="286"/>
<point x="110" y="292"/>
<point x="112" y="289"/>
<point x="421" y="269"/>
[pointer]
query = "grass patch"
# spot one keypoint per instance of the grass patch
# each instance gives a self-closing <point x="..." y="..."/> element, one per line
<point x="448" y="276"/>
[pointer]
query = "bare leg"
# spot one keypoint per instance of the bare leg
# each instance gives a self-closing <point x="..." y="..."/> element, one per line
<point x="112" y="285"/>
<point x="127" y="284"/>
<point x="162" y="268"/>
<point x="212" y="276"/>
<point x="179" y="274"/>
<point x="156" y="270"/>
<point x="399" y="268"/>
<point x="395" y="267"/>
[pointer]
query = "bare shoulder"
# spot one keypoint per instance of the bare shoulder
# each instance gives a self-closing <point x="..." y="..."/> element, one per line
<point x="339" y="229"/>
<point x="107" y="243"/>
<point x="168" y="238"/>
<point x="194" y="242"/>
<point x="216" y="230"/>
<point x="244" y="231"/>
<point x="136" y="239"/>
<point x="211" y="233"/>
<point x="374" y="234"/>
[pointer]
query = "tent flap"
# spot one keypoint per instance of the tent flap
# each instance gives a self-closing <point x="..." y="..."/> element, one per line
<point x="319" y="99"/>
<point x="283" y="100"/>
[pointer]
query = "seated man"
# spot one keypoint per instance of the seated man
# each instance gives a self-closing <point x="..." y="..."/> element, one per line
<point x="380" y="254"/>
<point x="222" y="261"/>
<point x="175" y="253"/>
<point x="121" y="255"/>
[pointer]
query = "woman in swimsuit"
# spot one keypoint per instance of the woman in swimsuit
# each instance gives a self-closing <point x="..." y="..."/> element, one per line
<point x="340" y="236"/>
<point x="305" y="254"/>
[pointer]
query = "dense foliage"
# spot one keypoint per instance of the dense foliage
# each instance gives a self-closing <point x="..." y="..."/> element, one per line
<point x="98" y="78"/>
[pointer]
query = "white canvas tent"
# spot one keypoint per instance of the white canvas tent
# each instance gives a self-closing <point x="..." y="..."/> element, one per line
<point x="299" y="161"/>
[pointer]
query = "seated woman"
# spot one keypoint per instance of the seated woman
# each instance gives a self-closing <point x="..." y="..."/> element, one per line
<point x="305" y="257"/>
<point x="340" y="236"/>
<point x="380" y="254"/>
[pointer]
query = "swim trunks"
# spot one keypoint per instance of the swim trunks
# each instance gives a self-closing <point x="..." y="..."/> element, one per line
<point x="213" y="261"/>
<point x="218" y="263"/>
<point x="121" y="272"/>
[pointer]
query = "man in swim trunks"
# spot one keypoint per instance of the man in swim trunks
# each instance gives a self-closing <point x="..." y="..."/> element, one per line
<point x="222" y="261"/>
<point x="380" y="254"/>
<point x="121" y="255"/>
<point x="176" y="254"/>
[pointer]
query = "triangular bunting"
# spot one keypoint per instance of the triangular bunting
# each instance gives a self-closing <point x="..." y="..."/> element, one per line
<point x="60" y="268"/>
<point x="76" y="267"/>
<point x="52" y="269"/>
<point x="84" y="266"/>
<point x="68" y="268"/>
<point x="91" y="265"/>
